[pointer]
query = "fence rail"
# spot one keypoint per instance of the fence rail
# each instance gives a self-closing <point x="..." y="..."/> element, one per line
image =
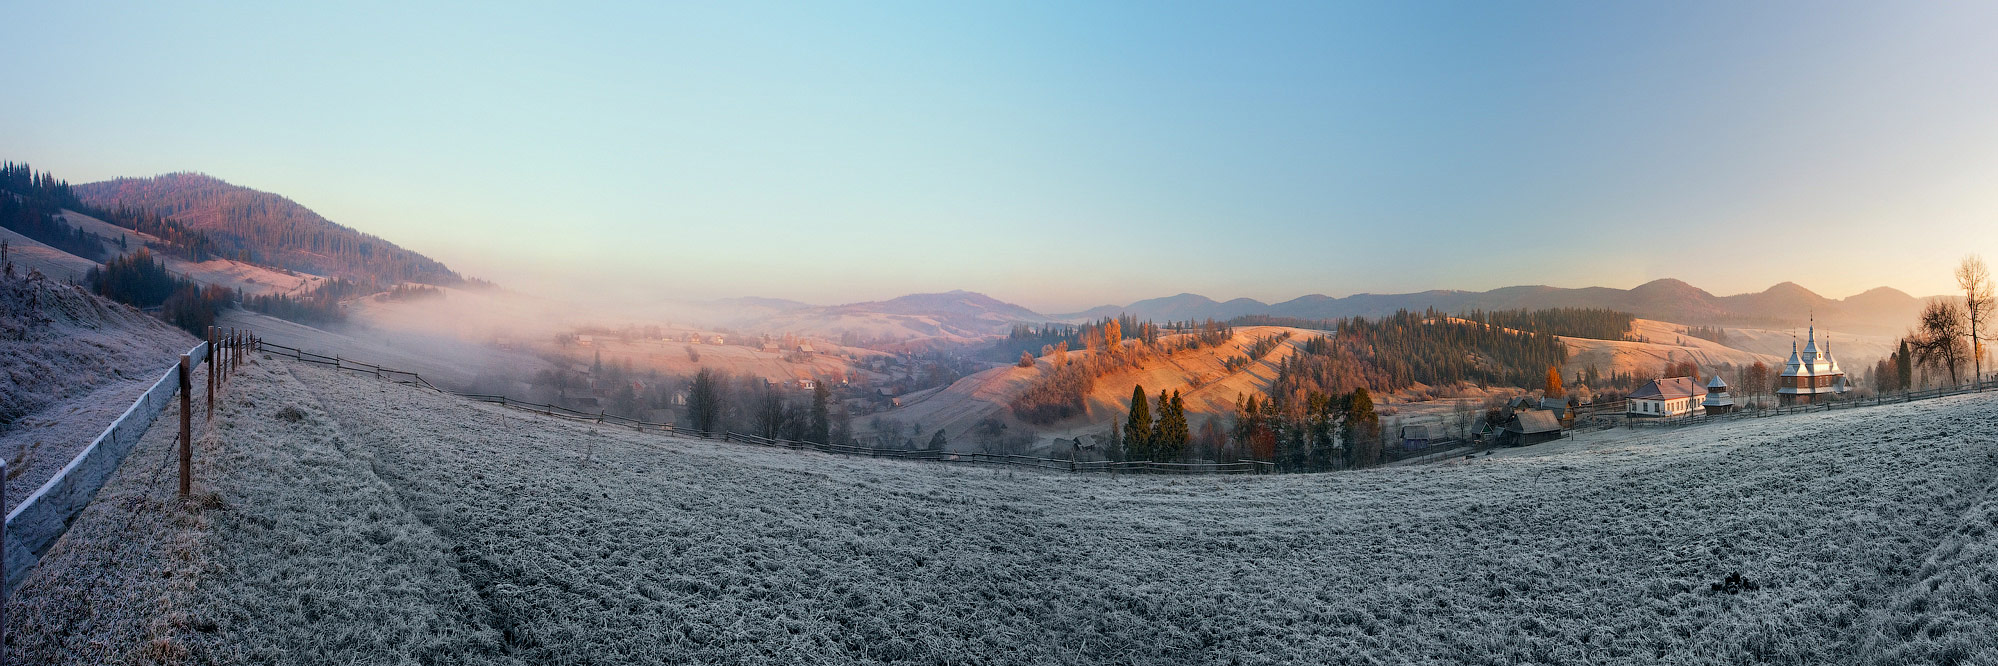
<point x="35" y="524"/>
<point x="557" y="411"/>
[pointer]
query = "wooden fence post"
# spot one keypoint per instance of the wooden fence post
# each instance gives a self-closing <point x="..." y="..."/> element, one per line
<point x="186" y="416"/>
<point x="211" y="372"/>
<point x="3" y="569"/>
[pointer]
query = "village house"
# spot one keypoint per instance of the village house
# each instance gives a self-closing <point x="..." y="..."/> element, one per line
<point x="1415" y="437"/>
<point x="808" y="384"/>
<point x="1674" y="396"/>
<point x="1530" y="426"/>
<point x="1810" y="376"/>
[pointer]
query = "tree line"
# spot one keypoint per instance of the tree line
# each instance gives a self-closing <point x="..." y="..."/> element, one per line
<point x="139" y="280"/>
<point x="1594" y="323"/>
<point x="33" y="210"/>
<point x="718" y="401"/>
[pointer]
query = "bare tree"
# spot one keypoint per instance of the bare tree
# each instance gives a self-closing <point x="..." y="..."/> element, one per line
<point x="1938" y="339"/>
<point x="1975" y="279"/>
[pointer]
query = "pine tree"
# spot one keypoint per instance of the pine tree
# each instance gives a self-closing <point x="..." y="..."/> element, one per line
<point x="937" y="441"/>
<point x="1138" y="427"/>
<point x="1905" y="366"/>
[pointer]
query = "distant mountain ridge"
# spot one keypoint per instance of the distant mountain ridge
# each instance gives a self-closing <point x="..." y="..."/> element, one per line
<point x="1882" y="310"/>
<point x="951" y="314"/>
<point x="266" y="229"/>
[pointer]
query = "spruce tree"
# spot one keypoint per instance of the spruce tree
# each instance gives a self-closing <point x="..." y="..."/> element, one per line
<point x="1138" y="428"/>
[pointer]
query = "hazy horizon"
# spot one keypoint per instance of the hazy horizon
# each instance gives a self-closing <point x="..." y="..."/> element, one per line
<point x="1063" y="158"/>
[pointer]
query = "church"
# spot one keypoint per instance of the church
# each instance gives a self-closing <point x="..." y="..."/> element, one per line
<point x="1810" y="376"/>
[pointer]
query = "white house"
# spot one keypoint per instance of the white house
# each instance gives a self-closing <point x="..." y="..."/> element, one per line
<point x="1675" y="396"/>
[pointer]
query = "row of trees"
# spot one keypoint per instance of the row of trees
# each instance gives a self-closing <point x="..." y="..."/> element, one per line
<point x="1321" y="431"/>
<point x="1948" y="338"/>
<point x="717" y="401"/>
<point x="1170" y="337"/>
<point x="320" y="305"/>
<point x="1165" y="438"/>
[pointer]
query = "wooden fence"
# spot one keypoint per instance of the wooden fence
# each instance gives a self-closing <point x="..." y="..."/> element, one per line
<point x="1829" y="405"/>
<point x="557" y="411"/>
<point x="44" y="515"/>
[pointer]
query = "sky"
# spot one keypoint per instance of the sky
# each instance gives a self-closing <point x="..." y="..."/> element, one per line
<point x="1059" y="155"/>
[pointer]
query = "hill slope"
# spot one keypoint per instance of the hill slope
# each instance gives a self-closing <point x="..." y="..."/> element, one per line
<point x="1206" y="384"/>
<point x="70" y="363"/>
<point x="266" y="228"/>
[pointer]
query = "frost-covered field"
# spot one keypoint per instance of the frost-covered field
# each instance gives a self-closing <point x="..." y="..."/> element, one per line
<point x="362" y="522"/>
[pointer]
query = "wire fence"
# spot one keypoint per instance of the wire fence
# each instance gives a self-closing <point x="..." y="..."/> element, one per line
<point x="34" y="525"/>
<point x="558" y="411"/>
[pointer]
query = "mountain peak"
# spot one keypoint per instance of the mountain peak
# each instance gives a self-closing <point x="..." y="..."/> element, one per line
<point x="1787" y="288"/>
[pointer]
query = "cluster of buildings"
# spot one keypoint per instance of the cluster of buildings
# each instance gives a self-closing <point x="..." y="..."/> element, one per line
<point x="1810" y="376"/>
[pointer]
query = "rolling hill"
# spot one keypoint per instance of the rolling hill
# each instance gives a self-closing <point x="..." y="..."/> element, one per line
<point x="1205" y="382"/>
<point x="266" y="229"/>
<point x="958" y="315"/>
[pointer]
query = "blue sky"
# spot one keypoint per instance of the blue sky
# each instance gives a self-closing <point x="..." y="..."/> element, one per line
<point x="1061" y="155"/>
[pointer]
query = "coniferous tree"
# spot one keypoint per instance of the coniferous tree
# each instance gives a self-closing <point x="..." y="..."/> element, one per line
<point x="937" y="441"/>
<point x="1553" y="388"/>
<point x="1138" y="426"/>
<point x="1905" y="366"/>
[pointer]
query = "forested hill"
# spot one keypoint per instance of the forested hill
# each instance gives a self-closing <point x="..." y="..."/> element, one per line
<point x="265" y="228"/>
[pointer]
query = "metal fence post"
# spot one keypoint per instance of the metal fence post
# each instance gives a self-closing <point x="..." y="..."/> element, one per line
<point x="186" y="418"/>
